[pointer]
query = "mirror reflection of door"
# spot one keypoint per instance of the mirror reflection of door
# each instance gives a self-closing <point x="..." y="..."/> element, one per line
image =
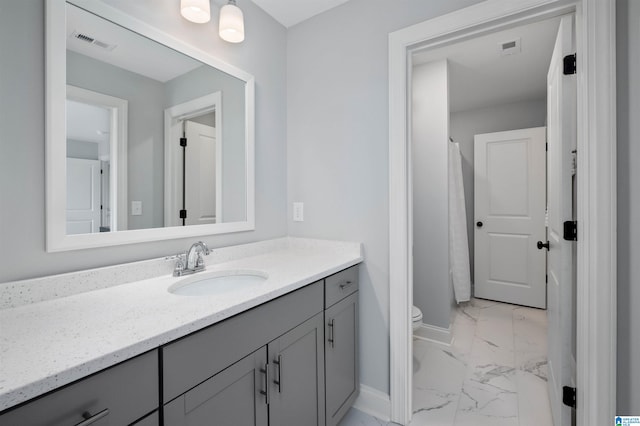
<point x="200" y="184"/>
<point x="83" y="196"/>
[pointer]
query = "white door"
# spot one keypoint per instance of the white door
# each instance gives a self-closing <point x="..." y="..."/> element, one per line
<point x="201" y="175"/>
<point x="83" y="196"/>
<point x="509" y="215"/>
<point x="561" y="117"/>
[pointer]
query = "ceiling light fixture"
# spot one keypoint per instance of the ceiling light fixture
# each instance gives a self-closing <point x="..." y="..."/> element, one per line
<point x="197" y="11"/>
<point x="231" y="23"/>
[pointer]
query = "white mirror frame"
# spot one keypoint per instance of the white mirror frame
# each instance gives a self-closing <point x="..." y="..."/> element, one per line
<point x="55" y="134"/>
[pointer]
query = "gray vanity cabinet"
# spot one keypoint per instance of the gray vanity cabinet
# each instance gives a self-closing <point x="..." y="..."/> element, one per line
<point x="234" y="397"/>
<point x="119" y="395"/>
<point x="262" y="367"/>
<point x="341" y="344"/>
<point x="281" y="384"/>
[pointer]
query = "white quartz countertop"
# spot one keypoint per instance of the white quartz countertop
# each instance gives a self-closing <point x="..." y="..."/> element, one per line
<point x="51" y="343"/>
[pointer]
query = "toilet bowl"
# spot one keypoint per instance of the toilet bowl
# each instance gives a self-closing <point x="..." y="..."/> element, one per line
<point x="416" y="317"/>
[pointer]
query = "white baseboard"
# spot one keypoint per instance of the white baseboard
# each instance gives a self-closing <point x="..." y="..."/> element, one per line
<point x="434" y="334"/>
<point x="373" y="402"/>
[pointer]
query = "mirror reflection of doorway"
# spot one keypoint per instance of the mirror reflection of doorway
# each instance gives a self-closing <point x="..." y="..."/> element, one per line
<point x="88" y="168"/>
<point x="96" y="162"/>
<point x="193" y="162"/>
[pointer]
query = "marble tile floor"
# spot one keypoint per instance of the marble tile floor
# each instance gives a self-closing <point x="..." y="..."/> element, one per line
<point x="494" y="373"/>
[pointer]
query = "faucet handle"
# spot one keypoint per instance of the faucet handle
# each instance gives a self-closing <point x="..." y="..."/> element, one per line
<point x="180" y="264"/>
<point x="205" y="248"/>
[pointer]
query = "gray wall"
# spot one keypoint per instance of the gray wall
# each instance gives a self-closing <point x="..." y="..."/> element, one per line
<point x="22" y="236"/>
<point x="628" y="54"/>
<point x="432" y="291"/>
<point x="145" y="130"/>
<point x="338" y="144"/>
<point x="498" y="118"/>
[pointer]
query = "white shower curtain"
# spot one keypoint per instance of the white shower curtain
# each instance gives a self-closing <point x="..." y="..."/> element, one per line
<point x="458" y="241"/>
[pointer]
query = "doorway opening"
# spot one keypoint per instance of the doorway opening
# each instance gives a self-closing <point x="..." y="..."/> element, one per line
<point x="193" y="162"/>
<point x="486" y="98"/>
<point x="596" y="190"/>
<point x="96" y="153"/>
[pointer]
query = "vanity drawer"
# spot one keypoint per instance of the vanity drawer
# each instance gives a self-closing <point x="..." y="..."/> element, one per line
<point x="340" y="285"/>
<point x="118" y="395"/>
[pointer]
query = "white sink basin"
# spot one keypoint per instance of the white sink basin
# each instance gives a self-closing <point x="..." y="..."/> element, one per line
<point x="218" y="283"/>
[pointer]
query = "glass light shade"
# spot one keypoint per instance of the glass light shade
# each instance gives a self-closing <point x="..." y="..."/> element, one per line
<point x="231" y="24"/>
<point x="197" y="11"/>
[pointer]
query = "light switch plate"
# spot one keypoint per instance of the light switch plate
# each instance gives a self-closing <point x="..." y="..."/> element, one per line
<point x="298" y="212"/>
<point x="136" y="208"/>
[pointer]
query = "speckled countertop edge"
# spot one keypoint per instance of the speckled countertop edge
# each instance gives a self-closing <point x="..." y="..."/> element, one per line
<point x="93" y="330"/>
<point x="34" y="290"/>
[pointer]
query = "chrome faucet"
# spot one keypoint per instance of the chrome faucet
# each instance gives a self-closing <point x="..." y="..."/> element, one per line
<point x="191" y="261"/>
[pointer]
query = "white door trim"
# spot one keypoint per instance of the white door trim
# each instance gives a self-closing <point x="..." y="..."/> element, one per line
<point x="596" y="298"/>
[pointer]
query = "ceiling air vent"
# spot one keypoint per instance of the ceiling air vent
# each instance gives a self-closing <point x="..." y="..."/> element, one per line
<point x="88" y="39"/>
<point x="510" y="47"/>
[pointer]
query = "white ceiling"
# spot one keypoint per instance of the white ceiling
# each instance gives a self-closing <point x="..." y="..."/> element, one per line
<point x="159" y="62"/>
<point x="480" y="76"/>
<point x="292" y="12"/>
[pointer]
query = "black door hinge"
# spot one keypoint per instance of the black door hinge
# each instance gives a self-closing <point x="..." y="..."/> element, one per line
<point x="569" y="64"/>
<point x="183" y="214"/>
<point x="546" y="278"/>
<point x="183" y="141"/>
<point x="570" y="230"/>
<point x="569" y="396"/>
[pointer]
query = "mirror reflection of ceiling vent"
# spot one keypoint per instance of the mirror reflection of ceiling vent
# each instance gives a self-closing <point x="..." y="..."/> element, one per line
<point x="510" y="47"/>
<point x="91" y="40"/>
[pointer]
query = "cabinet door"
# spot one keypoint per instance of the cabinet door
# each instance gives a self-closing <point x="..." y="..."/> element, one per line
<point x="297" y="376"/>
<point x="341" y="357"/>
<point x="233" y="397"/>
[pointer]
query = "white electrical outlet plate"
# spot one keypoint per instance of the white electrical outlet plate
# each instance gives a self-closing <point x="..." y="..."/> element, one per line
<point x="136" y="208"/>
<point x="298" y="212"/>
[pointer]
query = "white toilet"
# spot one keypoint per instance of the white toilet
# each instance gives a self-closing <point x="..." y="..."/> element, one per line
<point x="416" y="317"/>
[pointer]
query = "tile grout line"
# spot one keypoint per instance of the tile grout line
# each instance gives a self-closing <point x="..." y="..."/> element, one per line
<point x="515" y="363"/>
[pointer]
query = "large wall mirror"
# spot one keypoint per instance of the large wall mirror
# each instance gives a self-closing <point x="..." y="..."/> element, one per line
<point x="147" y="138"/>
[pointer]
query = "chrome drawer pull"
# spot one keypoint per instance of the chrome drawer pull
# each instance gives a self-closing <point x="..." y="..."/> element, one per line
<point x="278" y="382"/>
<point x="331" y="332"/>
<point x="345" y="285"/>
<point x="89" y="419"/>
<point x="265" y="392"/>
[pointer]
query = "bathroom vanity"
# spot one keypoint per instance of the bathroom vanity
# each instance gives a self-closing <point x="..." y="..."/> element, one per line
<point x="291" y="359"/>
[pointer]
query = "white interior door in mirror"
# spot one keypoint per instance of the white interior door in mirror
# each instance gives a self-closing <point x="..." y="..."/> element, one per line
<point x="202" y="187"/>
<point x="83" y="196"/>
<point x="510" y="214"/>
